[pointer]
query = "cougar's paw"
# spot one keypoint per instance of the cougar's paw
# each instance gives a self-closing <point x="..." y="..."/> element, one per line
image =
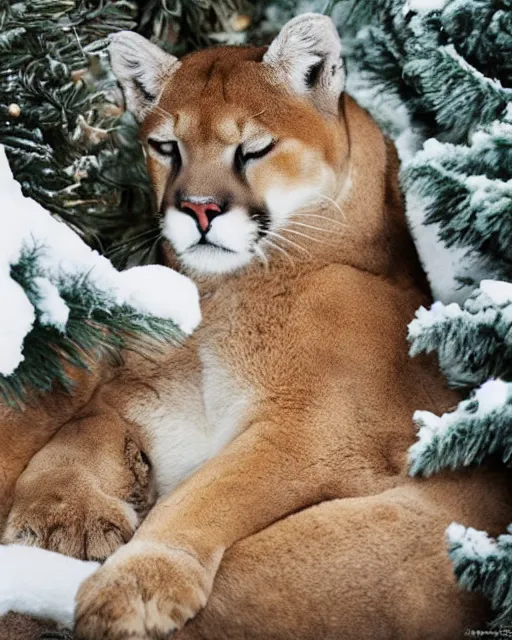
<point x="144" y="592"/>
<point x="75" y="518"/>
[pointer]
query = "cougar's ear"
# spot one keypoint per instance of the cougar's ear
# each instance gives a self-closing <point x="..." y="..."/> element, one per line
<point x="141" y="69"/>
<point x="306" y="55"/>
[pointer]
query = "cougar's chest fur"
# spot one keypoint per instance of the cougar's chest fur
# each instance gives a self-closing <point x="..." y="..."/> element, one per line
<point x="195" y="401"/>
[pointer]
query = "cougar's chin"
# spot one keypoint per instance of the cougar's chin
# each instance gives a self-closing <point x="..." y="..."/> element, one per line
<point x="225" y="247"/>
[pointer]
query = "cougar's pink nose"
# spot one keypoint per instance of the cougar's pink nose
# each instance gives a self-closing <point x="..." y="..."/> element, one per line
<point x="204" y="212"/>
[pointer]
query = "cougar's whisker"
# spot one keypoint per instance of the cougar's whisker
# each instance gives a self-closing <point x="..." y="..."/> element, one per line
<point x="334" y="203"/>
<point x="274" y="245"/>
<point x="308" y="226"/>
<point x="293" y="244"/>
<point x="305" y="214"/>
<point x="261" y="254"/>
<point x="304" y="235"/>
<point x="163" y="111"/>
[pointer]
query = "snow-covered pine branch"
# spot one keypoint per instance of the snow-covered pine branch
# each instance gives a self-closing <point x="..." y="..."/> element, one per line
<point x="473" y="342"/>
<point x="484" y="564"/>
<point x="472" y="183"/>
<point x="480" y="426"/>
<point x="62" y="301"/>
<point x="461" y="97"/>
<point x="481" y="31"/>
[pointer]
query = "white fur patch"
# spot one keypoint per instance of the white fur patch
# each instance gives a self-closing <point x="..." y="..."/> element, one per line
<point x="192" y="419"/>
<point x="282" y="202"/>
<point x="233" y="232"/>
<point x="212" y="260"/>
<point x="176" y="429"/>
<point x="180" y="229"/>
<point x="227" y="401"/>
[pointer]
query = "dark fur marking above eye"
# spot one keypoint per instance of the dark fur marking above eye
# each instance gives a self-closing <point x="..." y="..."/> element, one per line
<point x="311" y="77"/>
<point x="149" y="97"/>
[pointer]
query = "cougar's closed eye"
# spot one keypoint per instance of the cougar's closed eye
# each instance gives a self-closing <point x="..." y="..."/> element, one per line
<point x="244" y="155"/>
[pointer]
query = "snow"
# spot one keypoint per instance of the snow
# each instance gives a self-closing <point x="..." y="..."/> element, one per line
<point x="161" y="292"/>
<point x="41" y="583"/>
<point x="482" y="138"/>
<point x="426" y="318"/>
<point x="499" y="292"/>
<point x="442" y="265"/>
<point x="385" y="106"/>
<point x="407" y="144"/>
<point x="61" y="255"/>
<point x="491" y="396"/>
<point x="475" y="544"/>
<point x="430" y="427"/>
<point x="485" y="192"/>
<point x="14" y="325"/>
<point x="464" y="64"/>
<point x="54" y="310"/>
<point x="423" y="6"/>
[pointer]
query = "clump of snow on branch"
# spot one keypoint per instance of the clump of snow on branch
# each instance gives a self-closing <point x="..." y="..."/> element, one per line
<point x="54" y="310"/>
<point x="26" y="227"/>
<point x="477" y="428"/>
<point x="473" y="543"/>
<point x="464" y="337"/>
<point x="423" y="6"/>
<point x="483" y="564"/>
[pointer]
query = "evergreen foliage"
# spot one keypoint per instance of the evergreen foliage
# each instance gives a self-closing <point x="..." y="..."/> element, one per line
<point x="96" y="326"/>
<point x="411" y="53"/>
<point x="474" y="342"/>
<point x="484" y="565"/>
<point x="68" y="143"/>
<point x="479" y="427"/>
<point x="448" y="64"/>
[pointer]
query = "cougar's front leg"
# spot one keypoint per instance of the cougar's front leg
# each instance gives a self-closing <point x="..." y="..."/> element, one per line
<point x="85" y="492"/>
<point x="24" y="432"/>
<point x="164" y="575"/>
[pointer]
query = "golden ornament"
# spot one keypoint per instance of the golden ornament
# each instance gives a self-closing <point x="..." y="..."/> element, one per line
<point x="240" y="22"/>
<point x="14" y="110"/>
<point x="78" y="74"/>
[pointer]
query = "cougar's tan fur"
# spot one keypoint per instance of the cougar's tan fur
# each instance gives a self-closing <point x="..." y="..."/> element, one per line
<point x="279" y="432"/>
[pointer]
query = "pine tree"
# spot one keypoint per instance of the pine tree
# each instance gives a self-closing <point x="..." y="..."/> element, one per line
<point x="68" y="143"/>
<point x="446" y="65"/>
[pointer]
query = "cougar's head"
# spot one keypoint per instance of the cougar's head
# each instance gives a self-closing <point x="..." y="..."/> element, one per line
<point x="239" y="140"/>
